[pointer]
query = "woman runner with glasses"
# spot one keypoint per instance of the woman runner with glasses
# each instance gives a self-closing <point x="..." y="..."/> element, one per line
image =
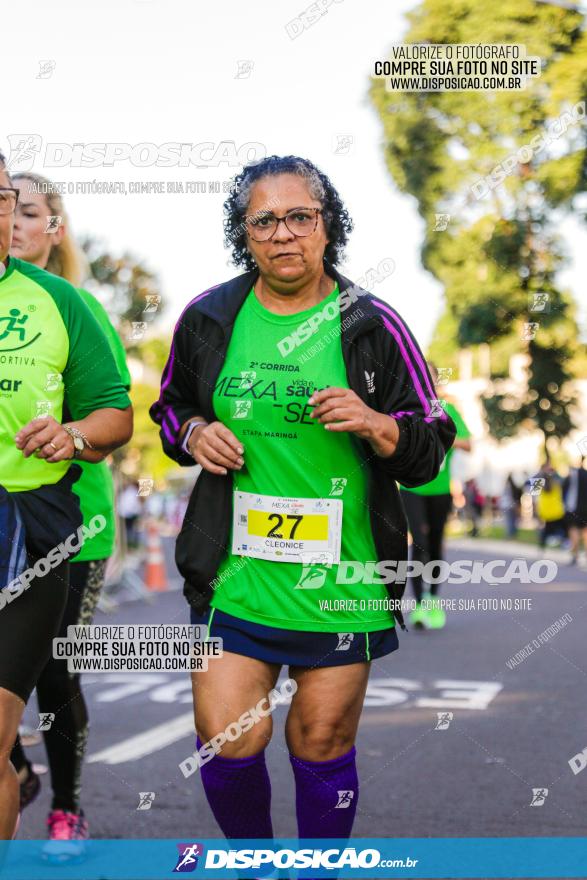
<point x="303" y="398"/>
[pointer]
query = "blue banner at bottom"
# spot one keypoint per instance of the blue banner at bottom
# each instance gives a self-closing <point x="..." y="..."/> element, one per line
<point x="486" y="857"/>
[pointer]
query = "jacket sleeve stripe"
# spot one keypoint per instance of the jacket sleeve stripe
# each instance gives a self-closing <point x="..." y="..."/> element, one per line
<point x="409" y="365"/>
<point x="407" y="360"/>
<point x="168" y="372"/>
<point x="161" y="409"/>
<point x="407" y="336"/>
<point x="171" y="437"/>
<point x="173" y="418"/>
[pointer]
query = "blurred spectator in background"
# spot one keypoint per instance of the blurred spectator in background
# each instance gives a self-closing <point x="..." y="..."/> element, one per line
<point x="179" y="509"/>
<point x="427" y="508"/>
<point x="492" y="504"/>
<point x="550" y="509"/>
<point x="474" y="505"/>
<point x="130" y="509"/>
<point x="510" y="506"/>
<point x="155" y="505"/>
<point x="575" y="498"/>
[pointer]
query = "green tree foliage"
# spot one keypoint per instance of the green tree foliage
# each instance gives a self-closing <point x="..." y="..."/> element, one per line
<point x="128" y="290"/>
<point x="501" y="246"/>
<point x="123" y="285"/>
<point x="147" y="458"/>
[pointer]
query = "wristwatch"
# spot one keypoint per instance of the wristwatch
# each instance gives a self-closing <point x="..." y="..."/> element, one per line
<point x="80" y="441"/>
<point x="188" y="434"/>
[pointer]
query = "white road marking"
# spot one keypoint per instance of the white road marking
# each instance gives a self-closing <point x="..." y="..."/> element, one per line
<point x="381" y="692"/>
<point x="147" y="742"/>
<point x="462" y="695"/>
<point x="450" y="694"/>
<point x="125" y="684"/>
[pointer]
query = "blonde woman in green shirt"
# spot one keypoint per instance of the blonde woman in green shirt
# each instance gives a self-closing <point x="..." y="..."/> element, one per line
<point x="65" y="741"/>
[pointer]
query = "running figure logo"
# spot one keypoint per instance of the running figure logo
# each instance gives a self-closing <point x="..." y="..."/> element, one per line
<point x="537" y="485"/>
<point x="338" y="485"/>
<point x="344" y="641"/>
<point x="344" y="799"/>
<point x="311" y="578"/>
<point x="314" y="569"/>
<point x="530" y="330"/>
<point x="441" y="222"/>
<point x="436" y="408"/>
<point x="539" y="795"/>
<point x="138" y="329"/>
<point x="42" y="409"/>
<point x="444" y="374"/>
<point x="188" y="857"/>
<point x="153" y="301"/>
<point x="343" y="144"/>
<point x="46" y="719"/>
<point x="54" y="221"/>
<point x="23" y="151"/>
<point x="15" y="322"/>
<point x="146" y="799"/>
<point x="46" y="68"/>
<point x="444" y="719"/>
<point x="247" y="378"/>
<point x="539" y="302"/>
<point x="241" y="409"/>
<point x="53" y="381"/>
<point x="244" y="68"/>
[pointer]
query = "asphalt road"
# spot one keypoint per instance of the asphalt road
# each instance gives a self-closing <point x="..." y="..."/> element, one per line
<point x="512" y="729"/>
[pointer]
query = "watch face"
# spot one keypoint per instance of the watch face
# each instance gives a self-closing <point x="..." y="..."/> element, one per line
<point x="79" y="444"/>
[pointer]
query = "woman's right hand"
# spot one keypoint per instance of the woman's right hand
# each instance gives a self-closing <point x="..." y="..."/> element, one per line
<point x="216" y="448"/>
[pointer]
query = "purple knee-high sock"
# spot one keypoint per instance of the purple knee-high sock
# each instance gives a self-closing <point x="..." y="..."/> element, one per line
<point x="326" y="795"/>
<point x="239" y="793"/>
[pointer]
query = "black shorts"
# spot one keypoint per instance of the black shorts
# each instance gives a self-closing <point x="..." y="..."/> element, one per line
<point x="28" y="625"/>
<point x="289" y="647"/>
<point x="576" y="519"/>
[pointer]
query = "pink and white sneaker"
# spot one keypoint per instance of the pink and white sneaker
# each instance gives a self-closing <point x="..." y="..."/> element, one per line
<point x="68" y="833"/>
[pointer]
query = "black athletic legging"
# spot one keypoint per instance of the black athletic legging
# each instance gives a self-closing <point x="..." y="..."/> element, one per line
<point x="28" y="625"/>
<point x="59" y="692"/>
<point x="427" y="515"/>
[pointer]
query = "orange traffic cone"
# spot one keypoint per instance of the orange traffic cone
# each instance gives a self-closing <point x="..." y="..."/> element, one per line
<point x="155" y="573"/>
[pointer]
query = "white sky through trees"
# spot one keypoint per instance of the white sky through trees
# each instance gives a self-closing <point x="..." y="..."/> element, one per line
<point x="148" y="71"/>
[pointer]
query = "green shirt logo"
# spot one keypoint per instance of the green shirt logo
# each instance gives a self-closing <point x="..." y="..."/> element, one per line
<point x="15" y="330"/>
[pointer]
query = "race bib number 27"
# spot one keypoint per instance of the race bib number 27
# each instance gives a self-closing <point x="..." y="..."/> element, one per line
<point x="282" y="529"/>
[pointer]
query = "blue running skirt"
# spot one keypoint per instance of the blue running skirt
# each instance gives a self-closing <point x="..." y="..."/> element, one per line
<point x="292" y="647"/>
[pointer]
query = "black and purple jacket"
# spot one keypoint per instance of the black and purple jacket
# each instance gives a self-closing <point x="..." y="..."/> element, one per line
<point x="385" y="368"/>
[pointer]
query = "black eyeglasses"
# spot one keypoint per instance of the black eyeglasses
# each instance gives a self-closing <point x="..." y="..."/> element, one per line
<point x="8" y="199"/>
<point x="299" y="221"/>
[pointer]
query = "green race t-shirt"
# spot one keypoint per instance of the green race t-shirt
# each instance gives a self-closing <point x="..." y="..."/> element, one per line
<point x="51" y="350"/>
<point x="95" y="487"/>
<point x="440" y="485"/>
<point x="289" y="454"/>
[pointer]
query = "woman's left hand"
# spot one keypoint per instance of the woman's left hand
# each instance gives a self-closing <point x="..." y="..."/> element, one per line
<point x="340" y="409"/>
<point x="46" y="438"/>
